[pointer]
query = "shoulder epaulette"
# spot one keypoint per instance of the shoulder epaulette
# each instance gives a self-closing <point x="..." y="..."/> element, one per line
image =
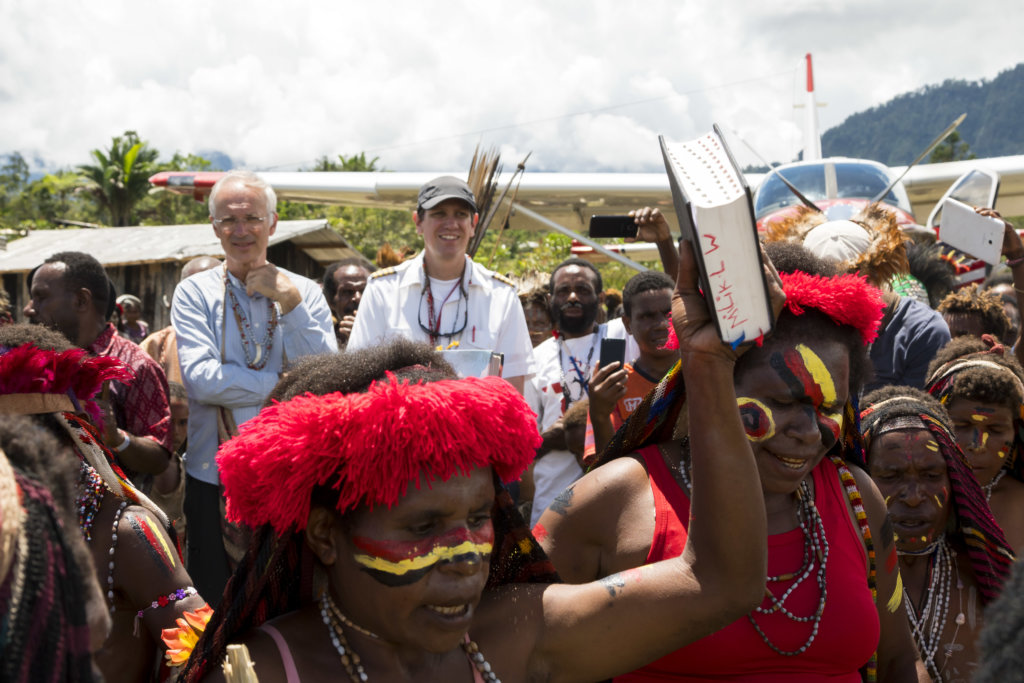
<point x="382" y="272"/>
<point x="501" y="278"/>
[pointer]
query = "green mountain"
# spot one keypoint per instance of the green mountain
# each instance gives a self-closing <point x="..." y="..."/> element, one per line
<point x="897" y="131"/>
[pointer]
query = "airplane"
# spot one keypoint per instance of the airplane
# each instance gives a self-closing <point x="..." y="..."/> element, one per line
<point x="564" y="202"/>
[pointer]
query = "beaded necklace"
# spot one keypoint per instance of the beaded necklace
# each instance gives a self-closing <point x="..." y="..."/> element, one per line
<point x="987" y="488"/>
<point x="815" y="548"/>
<point x="333" y="618"/>
<point x="257" y="359"/>
<point x="929" y="625"/>
<point x="91" y="488"/>
<point x="113" y="548"/>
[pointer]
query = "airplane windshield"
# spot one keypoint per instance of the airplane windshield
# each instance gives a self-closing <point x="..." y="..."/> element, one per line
<point x="860" y="181"/>
<point x="852" y="180"/>
<point x="773" y="193"/>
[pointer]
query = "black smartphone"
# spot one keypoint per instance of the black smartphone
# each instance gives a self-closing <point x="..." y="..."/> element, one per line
<point x="612" y="226"/>
<point x="613" y="351"/>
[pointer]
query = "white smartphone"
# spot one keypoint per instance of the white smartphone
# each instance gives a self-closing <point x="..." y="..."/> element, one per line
<point x="968" y="231"/>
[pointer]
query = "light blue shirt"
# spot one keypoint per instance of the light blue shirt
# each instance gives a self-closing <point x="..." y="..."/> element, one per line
<point x="199" y="320"/>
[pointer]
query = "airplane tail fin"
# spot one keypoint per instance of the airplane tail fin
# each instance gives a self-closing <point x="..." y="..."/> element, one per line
<point x="812" y="137"/>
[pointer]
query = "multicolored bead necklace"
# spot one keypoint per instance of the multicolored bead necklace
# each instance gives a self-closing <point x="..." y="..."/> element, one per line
<point x="91" y="489"/>
<point x="258" y="359"/>
<point x="333" y="617"/>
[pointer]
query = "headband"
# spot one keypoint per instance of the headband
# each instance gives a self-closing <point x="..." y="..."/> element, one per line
<point x="939" y="380"/>
<point x="370" y="447"/>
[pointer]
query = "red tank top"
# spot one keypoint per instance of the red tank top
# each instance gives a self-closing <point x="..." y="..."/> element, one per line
<point x="848" y="633"/>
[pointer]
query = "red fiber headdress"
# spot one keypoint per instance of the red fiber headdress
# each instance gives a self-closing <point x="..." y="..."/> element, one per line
<point x="847" y="299"/>
<point x="371" y="446"/>
<point x="26" y="369"/>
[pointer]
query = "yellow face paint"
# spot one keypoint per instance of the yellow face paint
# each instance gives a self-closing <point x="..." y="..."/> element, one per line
<point x="398" y="563"/>
<point x="932" y="446"/>
<point x="758" y="422"/>
<point x="820" y="373"/>
<point x="896" y="599"/>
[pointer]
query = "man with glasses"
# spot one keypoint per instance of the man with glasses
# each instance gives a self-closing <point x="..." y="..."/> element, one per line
<point x="442" y="296"/>
<point x="238" y="328"/>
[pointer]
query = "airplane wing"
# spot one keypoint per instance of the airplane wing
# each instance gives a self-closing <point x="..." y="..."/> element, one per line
<point x="926" y="183"/>
<point x="569" y="199"/>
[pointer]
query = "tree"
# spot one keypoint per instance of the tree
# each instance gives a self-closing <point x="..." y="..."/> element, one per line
<point x="951" y="149"/>
<point x="13" y="177"/>
<point x="161" y="207"/>
<point x="120" y="177"/>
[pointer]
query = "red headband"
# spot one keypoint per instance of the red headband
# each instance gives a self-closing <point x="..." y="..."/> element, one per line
<point x="371" y="446"/>
<point x="847" y="299"/>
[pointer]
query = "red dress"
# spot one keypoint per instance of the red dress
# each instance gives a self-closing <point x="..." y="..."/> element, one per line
<point x="848" y="633"/>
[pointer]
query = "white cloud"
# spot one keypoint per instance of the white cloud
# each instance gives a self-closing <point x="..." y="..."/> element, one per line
<point x="420" y="83"/>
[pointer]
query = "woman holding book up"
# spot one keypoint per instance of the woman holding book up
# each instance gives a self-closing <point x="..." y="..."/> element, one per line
<point x="381" y="568"/>
<point x="832" y="605"/>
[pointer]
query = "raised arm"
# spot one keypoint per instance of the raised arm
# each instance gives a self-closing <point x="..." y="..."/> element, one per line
<point x="625" y="620"/>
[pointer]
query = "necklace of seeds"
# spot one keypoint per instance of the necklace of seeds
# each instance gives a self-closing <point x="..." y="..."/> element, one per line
<point x="928" y="626"/>
<point x="258" y="360"/>
<point x="91" y="488"/>
<point x="113" y="548"/>
<point x="333" y="618"/>
<point x="815" y="548"/>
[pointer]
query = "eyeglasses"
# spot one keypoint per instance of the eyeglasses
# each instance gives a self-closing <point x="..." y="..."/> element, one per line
<point x="231" y="221"/>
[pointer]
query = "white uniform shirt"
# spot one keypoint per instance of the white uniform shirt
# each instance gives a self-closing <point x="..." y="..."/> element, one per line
<point x="394" y="305"/>
<point x="544" y="393"/>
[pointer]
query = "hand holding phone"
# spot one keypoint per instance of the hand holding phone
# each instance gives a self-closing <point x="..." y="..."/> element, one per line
<point x="613" y="351"/>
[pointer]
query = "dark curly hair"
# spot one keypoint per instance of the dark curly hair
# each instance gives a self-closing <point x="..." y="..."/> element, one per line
<point x="354" y="371"/>
<point x="647" y="281"/>
<point x="980" y="304"/>
<point x="330" y="285"/>
<point x="979" y="383"/>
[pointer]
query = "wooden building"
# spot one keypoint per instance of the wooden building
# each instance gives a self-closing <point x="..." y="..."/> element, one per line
<point x="146" y="261"/>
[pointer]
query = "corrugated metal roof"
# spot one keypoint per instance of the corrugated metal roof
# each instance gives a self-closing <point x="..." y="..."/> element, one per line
<point x="158" y="243"/>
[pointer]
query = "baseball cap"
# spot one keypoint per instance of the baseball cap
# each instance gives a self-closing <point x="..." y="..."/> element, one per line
<point x="442" y="188"/>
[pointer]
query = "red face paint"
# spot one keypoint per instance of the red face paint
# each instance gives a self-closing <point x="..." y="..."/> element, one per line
<point x="399" y="563"/>
<point x="757" y="419"/>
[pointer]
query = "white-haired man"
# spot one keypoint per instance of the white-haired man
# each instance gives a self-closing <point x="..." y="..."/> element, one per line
<point x="238" y="328"/>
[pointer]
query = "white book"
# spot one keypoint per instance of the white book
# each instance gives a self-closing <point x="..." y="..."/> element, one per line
<point x="716" y="214"/>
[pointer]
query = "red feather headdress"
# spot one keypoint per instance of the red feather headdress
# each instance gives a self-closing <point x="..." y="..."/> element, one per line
<point x="371" y="446"/>
<point x="27" y="369"/>
<point x="847" y="299"/>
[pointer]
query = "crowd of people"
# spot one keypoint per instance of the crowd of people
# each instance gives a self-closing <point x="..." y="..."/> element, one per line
<point x="424" y="470"/>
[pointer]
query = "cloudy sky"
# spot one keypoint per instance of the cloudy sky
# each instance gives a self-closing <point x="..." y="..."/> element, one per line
<point x="585" y="86"/>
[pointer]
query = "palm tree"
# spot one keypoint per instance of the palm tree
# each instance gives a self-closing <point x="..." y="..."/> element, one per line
<point x="120" y="178"/>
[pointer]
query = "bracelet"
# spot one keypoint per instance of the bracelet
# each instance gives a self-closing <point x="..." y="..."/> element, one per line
<point x="124" y="444"/>
<point x="1014" y="262"/>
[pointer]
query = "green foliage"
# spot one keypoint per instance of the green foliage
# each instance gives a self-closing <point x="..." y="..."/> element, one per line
<point x="365" y="229"/>
<point x="120" y="177"/>
<point x="894" y="133"/>
<point x="160" y="207"/>
<point x="951" y="149"/>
